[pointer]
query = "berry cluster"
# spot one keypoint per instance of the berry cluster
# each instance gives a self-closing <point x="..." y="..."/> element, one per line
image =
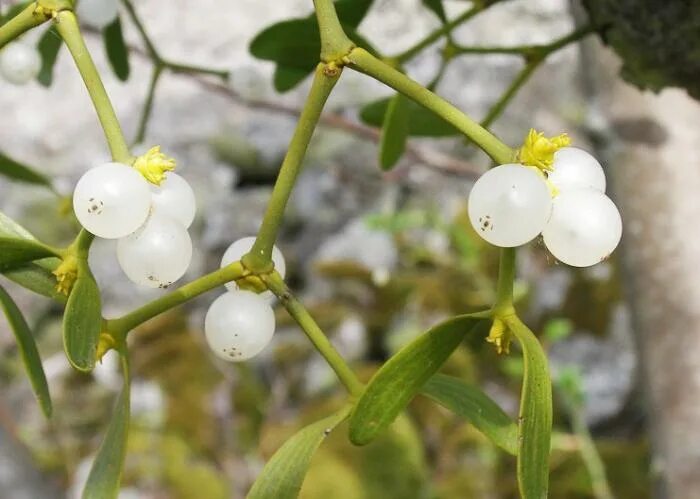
<point x="240" y="324"/>
<point x="19" y="63"/>
<point x="115" y="201"/>
<point x="512" y="204"/>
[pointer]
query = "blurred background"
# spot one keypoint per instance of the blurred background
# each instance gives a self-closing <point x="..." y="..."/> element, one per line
<point x="377" y="258"/>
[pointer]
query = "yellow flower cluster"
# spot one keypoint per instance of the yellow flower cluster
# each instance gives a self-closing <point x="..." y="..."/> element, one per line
<point x="500" y="336"/>
<point x="154" y="164"/>
<point x="66" y="274"/>
<point x="538" y="150"/>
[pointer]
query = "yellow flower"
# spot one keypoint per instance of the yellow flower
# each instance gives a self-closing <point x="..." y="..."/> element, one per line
<point x="105" y="344"/>
<point x="500" y="336"/>
<point x="154" y="164"/>
<point x="66" y="274"/>
<point x="538" y="150"/>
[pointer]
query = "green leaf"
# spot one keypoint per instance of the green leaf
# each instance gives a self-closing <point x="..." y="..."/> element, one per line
<point x="421" y="121"/>
<point x="295" y="44"/>
<point x="402" y="376"/>
<point x="535" y="419"/>
<point x="49" y="46"/>
<point x="436" y="7"/>
<point x="36" y="277"/>
<point x="15" y="251"/>
<point x="27" y="350"/>
<point x="475" y="406"/>
<point x="82" y="320"/>
<point x="394" y="132"/>
<point x="286" y="78"/>
<point x="284" y="474"/>
<point x="117" y="52"/>
<point x="105" y="474"/>
<point x="17" y="171"/>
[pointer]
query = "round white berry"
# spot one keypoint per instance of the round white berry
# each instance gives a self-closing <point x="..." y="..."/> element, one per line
<point x="112" y="200"/>
<point x="156" y="255"/>
<point x="175" y="198"/>
<point x="239" y="325"/>
<point x="241" y="247"/>
<point x="19" y="63"/>
<point x="98" y="13"/>
<point x="584" y="229"/>
<point x="509" y="205"/>
<point x="575" y="168"/>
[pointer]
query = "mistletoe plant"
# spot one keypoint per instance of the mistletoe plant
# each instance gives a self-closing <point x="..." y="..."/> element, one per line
<point x="542" y="187"/>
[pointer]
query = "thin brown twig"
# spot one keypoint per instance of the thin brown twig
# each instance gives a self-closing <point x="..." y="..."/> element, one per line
<point x="435" y="160"/>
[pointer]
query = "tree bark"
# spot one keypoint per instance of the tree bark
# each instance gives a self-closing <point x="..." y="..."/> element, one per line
<point x="653" y="155"/>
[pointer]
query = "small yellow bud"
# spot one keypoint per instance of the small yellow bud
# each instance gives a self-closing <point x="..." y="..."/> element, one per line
<point x="154" y="164"/>
<point x="500" y="336"/>
<point x="105" y="344"/>
<point x="538" y="150"/>
<point x="66" y="274"/>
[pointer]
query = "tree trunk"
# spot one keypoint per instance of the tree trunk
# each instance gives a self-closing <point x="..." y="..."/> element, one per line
<point x="653" y="155"/>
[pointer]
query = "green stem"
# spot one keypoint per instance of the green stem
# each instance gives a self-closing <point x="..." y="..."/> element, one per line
<point x="365" y="62"/>
<point x="334" y="42"/>
<point x="325" y="79"/>
<point x="506" y="278"/>
<point x="82" y="243"/>
<point x="148" y="105"/>
<point x="275" y="284"/>
<point x="21" y="23"/>
<point x="67" y="26"/>
<point x="431" y="38"/>
<point x="176" y="67"/>
<point x="590" y="456"/>
<point x="150" y="47"/>
<point x="120" y="327"/>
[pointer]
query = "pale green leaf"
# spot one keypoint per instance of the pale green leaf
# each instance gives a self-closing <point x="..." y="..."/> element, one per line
<point x="402" y="376"/>
<point x="28" y="351"/>
<point x="476" y="407"/>
<point x="82" y="320"/>
<point x="284" y="474"/>
<point x="105" y="474"/>
<point x="535" y="419"/>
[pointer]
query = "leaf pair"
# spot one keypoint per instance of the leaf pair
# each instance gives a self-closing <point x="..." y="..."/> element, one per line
<point x="295" y="44"/>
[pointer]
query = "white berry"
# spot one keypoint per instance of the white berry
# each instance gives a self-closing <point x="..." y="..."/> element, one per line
<point x="19" y="63"/>
<point x="575" y="168"/>
<point x="584" y="229"/>
<point x="240" y="248"/>
<point x="98" y="13"/>
<point x="175" y="198"/>
<point x="509" y="205"/>
<point x="239" y="325"/>
<point x="112" y="200"/>
<point x="156" y="255"/>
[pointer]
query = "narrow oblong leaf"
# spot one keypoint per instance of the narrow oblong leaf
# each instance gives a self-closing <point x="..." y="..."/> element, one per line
<point x="402" y="376"/>
<point x="535" y="418"/>
<point x="475" y="406"/>
<point x="117" y="52"/>
<point x="105" y="473"/>
<point x="28" y="351"/>
<point x="22" y="173"/>
<point x="15" y="251"/>
<point x="284" y="473"/>
<point x="82" y="320"/>
<point x="421" y="122"/>
<point x="394" y="132"/>
<point x="49" y="46"/>
<point x="37" y="276"/>
<point x="286" y="78"/>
